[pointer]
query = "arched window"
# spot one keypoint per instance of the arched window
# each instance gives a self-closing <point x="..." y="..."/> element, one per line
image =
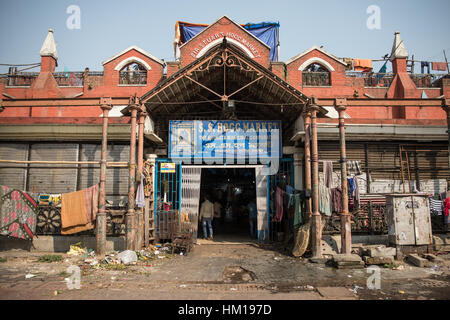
<point x="133" y="73"/>
<point x="316" y="75"/>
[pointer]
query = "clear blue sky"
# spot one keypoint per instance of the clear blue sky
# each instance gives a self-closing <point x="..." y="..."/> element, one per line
<point x="109" y="26"/>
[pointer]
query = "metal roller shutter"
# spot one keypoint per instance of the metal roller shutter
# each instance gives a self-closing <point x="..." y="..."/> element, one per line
<point x="116" y="178"/>
<point x="49" y="178"/>
<point x="11" y="174"/>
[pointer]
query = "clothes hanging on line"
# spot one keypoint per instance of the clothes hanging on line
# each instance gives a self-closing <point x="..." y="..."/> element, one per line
<point x="79" y="210"/>
<point x="354" y="167"/>
<point x="356" y="196"/>
<point x="290" y="196"/>
<point x="324" y="200"/>
<point x="439" y="66"/>
<point x="140" y="196"/>
<point x="351" y="185"/>
<point x="447" y="206"/>
<point x="423" y="65"/>
<point x="18" y="213"/>
<point x="436" y="207"/>
<point x="298" y="210"/>
<point x="328" y="173"/>
<point x="336" y="200"/>
<point x="362" y="64"/>
<point x="278" y="205"/>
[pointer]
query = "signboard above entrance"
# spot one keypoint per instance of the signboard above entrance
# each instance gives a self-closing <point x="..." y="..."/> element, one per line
<point x="244" y="141"/>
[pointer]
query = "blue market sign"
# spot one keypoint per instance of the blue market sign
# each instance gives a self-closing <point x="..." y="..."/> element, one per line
<point x="225" y="139"/>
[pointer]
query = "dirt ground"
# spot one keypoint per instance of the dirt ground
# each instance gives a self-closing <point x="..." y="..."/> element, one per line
<point x="212" y="272"/>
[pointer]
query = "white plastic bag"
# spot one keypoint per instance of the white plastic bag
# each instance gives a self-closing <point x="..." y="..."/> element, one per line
<point x="127" y="257"/>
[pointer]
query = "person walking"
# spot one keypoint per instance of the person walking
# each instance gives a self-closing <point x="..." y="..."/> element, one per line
<point x="217" y="216"/>
<point x="252" y="215"/>
<point x="206" y="217"/>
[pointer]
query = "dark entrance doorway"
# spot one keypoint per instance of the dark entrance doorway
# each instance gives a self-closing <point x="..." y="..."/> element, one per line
<point x="234" y="189"/>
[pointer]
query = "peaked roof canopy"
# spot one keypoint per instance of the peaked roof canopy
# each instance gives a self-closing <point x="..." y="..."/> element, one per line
<point x="204" y="88"/>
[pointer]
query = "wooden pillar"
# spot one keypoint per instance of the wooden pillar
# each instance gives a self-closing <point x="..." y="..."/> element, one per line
<point x="446" y="107"/>
<point x="106" y="105"/>
<point x="140" y="165"/>
<point x="131" y="214"/>
<point x="316" y="223"/>
<point x="307" y="124"/>
<point x="346" y="232"/>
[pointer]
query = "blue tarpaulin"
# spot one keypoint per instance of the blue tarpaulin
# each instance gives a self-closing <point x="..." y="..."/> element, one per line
<point x="267" y="32"/>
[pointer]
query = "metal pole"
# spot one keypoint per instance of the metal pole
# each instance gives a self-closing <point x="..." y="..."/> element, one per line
<point x="307" y="121"/>
<point x="131" y="214"/>
<point x="140" y="166"/>
<point x="316" y="225"/>
<point x="346" y="231"/>
<point x="106" y="105"/>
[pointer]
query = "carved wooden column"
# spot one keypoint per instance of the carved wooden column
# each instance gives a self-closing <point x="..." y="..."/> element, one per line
<point x="316" y="223"/>
<point x="106" y="105"/>
<point x="307" y="122"/>
<point x="131" y="214"/>
<point x="346" y="232"/>
<point x="140" y="165"/>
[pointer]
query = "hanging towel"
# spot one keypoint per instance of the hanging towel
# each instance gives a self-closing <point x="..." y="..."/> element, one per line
<point x="328" y="173"/>
<point x="290" y="196"/>
<point x="298" y="210"/>
<point x="436" y="207"/>
<point x="336" y="200"/>
<point x="356" y="193"/>
<point x="79" y="210"/>
<point x="324" y="200"/>
<point x="18" y="213"/>
<point x="351" y="185"/>
<point x="362" y="64"/>
<point x="140" y="197"/>
<point x="439" y="66"/>
<point x="278" y="205"/>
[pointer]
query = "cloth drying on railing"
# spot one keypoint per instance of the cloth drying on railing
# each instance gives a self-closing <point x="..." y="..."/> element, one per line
<point x="336" y="200"/>
<point x="18" y="212"/>
<point x="79" y="210"/>
<point x="439" y="66"/>
<point x="362" y="64"/>
<point x="423" y="65"/>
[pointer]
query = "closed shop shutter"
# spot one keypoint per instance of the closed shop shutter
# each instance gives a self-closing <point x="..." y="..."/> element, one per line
<point x="49" y="178"/>
<point x="116" y="178"/>
<point x="428" y="162"/>
<point x="13" y="175"/>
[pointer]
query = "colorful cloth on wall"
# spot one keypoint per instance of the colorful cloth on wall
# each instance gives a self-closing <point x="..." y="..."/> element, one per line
<point x="18" y="211"/>
<point x="79" y="210"/>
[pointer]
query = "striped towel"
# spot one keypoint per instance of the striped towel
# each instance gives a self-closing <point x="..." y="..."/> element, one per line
<point x="436" y="206"/>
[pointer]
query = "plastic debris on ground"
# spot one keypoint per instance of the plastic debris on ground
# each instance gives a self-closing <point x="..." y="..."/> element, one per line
<point x="127" y="257"/>
<point x="29" y="275"/>
<point x="309" y="287"/>
<point x="356" y="288"/>
<point x="76" y="250"/>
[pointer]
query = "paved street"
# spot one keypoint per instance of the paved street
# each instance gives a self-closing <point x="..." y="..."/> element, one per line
<point x="200" y="276"/>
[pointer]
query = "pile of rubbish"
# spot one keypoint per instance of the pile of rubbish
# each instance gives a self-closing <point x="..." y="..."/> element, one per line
<point x="127" y="257"/>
